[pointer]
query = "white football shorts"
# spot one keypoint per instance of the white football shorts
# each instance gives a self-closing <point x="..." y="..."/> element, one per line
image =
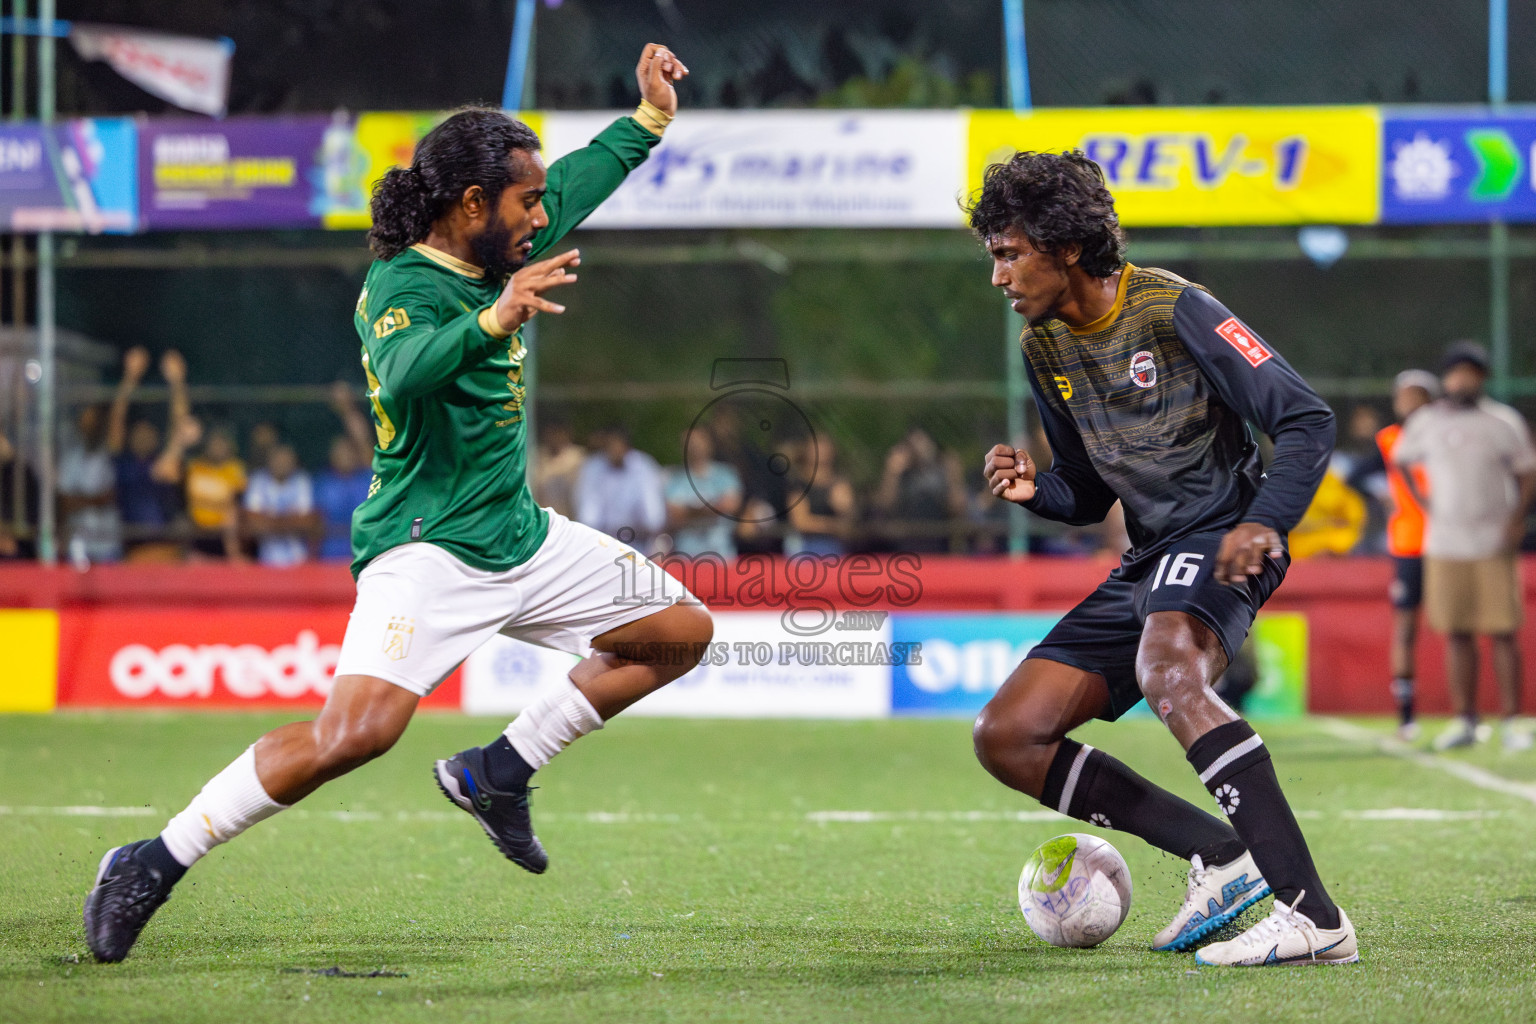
<point x="420" y="611"/>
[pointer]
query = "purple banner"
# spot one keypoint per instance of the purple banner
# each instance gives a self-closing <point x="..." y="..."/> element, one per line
<point x="238" y="173"/>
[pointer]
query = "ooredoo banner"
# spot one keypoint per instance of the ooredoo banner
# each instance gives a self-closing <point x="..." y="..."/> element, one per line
<point x="205" y="657"/>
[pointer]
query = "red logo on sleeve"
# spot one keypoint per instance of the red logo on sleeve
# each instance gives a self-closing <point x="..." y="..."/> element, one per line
<point x="1242" y="339"/>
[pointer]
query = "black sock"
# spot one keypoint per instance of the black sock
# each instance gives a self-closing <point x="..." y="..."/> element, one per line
<point x="504" y="766"/>
<point x="156" y="855"/>
<point x="1234" y="764"/>
<point x="1402" y="689"/>
<point x="1091" y="786"/>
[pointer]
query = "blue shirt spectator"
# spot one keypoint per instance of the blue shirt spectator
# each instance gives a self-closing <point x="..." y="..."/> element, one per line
<point x="338" y="491"/>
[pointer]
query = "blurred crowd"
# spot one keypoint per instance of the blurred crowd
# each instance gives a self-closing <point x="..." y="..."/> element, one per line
<point x="134" y="488"/>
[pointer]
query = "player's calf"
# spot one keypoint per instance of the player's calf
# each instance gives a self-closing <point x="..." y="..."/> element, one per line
<point x="491" y="782"/>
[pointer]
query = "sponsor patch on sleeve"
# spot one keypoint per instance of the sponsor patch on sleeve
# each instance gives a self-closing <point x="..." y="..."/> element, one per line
<point x="1242" y="339"/>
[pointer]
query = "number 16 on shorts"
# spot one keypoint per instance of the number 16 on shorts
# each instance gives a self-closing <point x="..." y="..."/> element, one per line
<point x="1181" y="572"/>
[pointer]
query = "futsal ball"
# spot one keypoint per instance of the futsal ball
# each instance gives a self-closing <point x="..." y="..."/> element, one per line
<point x="1075" y="890"/>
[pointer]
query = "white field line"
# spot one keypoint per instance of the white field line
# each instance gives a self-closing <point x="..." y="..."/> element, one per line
<point x="1460" y="769"/>
<point x="814" y="817"/>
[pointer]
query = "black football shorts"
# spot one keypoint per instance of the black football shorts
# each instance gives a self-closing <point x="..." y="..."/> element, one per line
<point x="1103" y="632"/>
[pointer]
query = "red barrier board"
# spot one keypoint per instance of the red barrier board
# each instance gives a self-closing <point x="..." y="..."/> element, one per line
<point x="219" y="657"/>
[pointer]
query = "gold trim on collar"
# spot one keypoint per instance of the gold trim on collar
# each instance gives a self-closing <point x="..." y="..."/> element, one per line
<point x="1114" y="311"/>
<point x="453" y="263"/>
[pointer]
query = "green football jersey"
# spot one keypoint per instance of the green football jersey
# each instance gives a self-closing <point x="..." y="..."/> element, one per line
<point x="450" y="466"/>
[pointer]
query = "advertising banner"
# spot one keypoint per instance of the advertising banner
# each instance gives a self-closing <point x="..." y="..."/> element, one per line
<point x="205" y="657"/>
<point x="1456" y="167"/>
<point x="756" y="667"/>
<point x="806" y="168"/>
<point x="357" y="153"/>
<point x="241" y="173"/>
<point x="1199" y="167"/>
<point x="190" y="72"/>
<point x="966" y="657"/>
<point x="74" y="176"/>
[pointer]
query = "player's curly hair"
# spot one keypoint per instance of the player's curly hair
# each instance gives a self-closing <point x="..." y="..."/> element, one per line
<point x="1055" y="199"/>
<point x="470" y="148"/>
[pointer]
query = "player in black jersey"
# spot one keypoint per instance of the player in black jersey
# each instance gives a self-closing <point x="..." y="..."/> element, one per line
<point x="1145" y="385"/>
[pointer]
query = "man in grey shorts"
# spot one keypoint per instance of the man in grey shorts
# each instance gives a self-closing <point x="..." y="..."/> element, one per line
<point x="1481" y="467"/>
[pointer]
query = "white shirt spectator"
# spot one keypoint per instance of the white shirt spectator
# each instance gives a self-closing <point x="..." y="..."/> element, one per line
<point x="295" y="496"/>
<point x="628" y="496"/>
<point x="96" y="531"/>
<point x="1471" y="455"/>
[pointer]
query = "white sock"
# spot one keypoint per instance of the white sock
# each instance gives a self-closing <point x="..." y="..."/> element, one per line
<point x="552" y="723"/>
<point x="230" y="803"/>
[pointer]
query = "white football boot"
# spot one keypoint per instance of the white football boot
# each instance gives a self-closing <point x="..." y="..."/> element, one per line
<point x="1286" y="936"/>
<point x="1217" y="896"/>
<point x="1460" y="733"/>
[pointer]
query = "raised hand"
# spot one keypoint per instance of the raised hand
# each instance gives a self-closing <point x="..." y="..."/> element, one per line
<point x="173" y="367"/>
<point x="657" y="70"/>
<point x="523" y="295"/>
<point x="135" y="364"/>
<point x="1010" y="472"/>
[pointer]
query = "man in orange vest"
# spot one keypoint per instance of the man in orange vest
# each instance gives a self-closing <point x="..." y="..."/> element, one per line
<point x="1405" y="541"/>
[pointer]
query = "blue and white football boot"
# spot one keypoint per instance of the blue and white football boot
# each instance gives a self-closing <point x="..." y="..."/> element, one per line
<point x="1217" y="897"/>
<point x="1285" y="937"/>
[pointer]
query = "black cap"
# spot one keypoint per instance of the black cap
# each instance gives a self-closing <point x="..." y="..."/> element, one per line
<point x="1469" y="352"/>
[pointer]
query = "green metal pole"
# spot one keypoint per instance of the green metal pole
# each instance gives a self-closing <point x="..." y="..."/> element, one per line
<point x="1018" y="394"/>
<point x="1498" y="307"/>
<point x="47" y="338"/>
<point x="18" y="261"/>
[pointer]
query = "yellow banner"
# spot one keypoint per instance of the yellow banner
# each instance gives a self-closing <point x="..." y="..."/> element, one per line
<point x="1203" y="167"/>
<point x="378" y="141"/>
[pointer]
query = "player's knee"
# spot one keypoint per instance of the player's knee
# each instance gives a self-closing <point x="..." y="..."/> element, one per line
<point x="1001" y="733"/>
<point x="343" y="748"/>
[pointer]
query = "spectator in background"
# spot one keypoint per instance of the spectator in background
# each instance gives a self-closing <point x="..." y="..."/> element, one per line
<point x="620" y="490"/>
<point x="824" y="519"/>
<point x="1333" y="522"/>
<point x="344" y="484"/>
<point x="18" y="501"/>
<point x="280" y="509"/>
<point x="146" y="478"/>
<point x="919" y="493"/>
<point x="92" y="530"/>
<point x="262" y="438"/>
<point x="214" y="482"/>
<point x="557" y="467"/>
<point x="1359" y="460"/>
<point x="703" y="500"/>
<point x="1411" y="391"/>
<point x="1481" y="467"/>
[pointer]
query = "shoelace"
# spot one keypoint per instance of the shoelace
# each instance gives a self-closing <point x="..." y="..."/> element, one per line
<point x="1281" y="920"/>
<point x="1198" y="873"/>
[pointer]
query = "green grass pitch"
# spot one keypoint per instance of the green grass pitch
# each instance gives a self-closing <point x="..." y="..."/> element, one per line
<point x="695" y="877"/>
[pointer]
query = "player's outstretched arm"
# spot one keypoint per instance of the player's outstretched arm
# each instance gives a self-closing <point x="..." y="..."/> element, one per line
<point x="1254" y="382"/>
<point x="412" y="355"/>
<point x="580" y="181"/>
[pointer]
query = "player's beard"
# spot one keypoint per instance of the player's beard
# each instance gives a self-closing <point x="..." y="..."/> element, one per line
<point x="497" y="251"/>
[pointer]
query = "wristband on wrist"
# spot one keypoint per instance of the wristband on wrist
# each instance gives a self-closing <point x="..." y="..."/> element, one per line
<point x="490" y="324"/>
<point x="652" y="118"/>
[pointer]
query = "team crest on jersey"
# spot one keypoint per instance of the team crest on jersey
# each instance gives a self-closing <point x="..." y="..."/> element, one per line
<point x="397" y="637"/>
<point x="1143" y="370"/>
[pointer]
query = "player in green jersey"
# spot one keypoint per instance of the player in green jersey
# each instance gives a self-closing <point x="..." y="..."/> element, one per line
<point x="449" y="547"/>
